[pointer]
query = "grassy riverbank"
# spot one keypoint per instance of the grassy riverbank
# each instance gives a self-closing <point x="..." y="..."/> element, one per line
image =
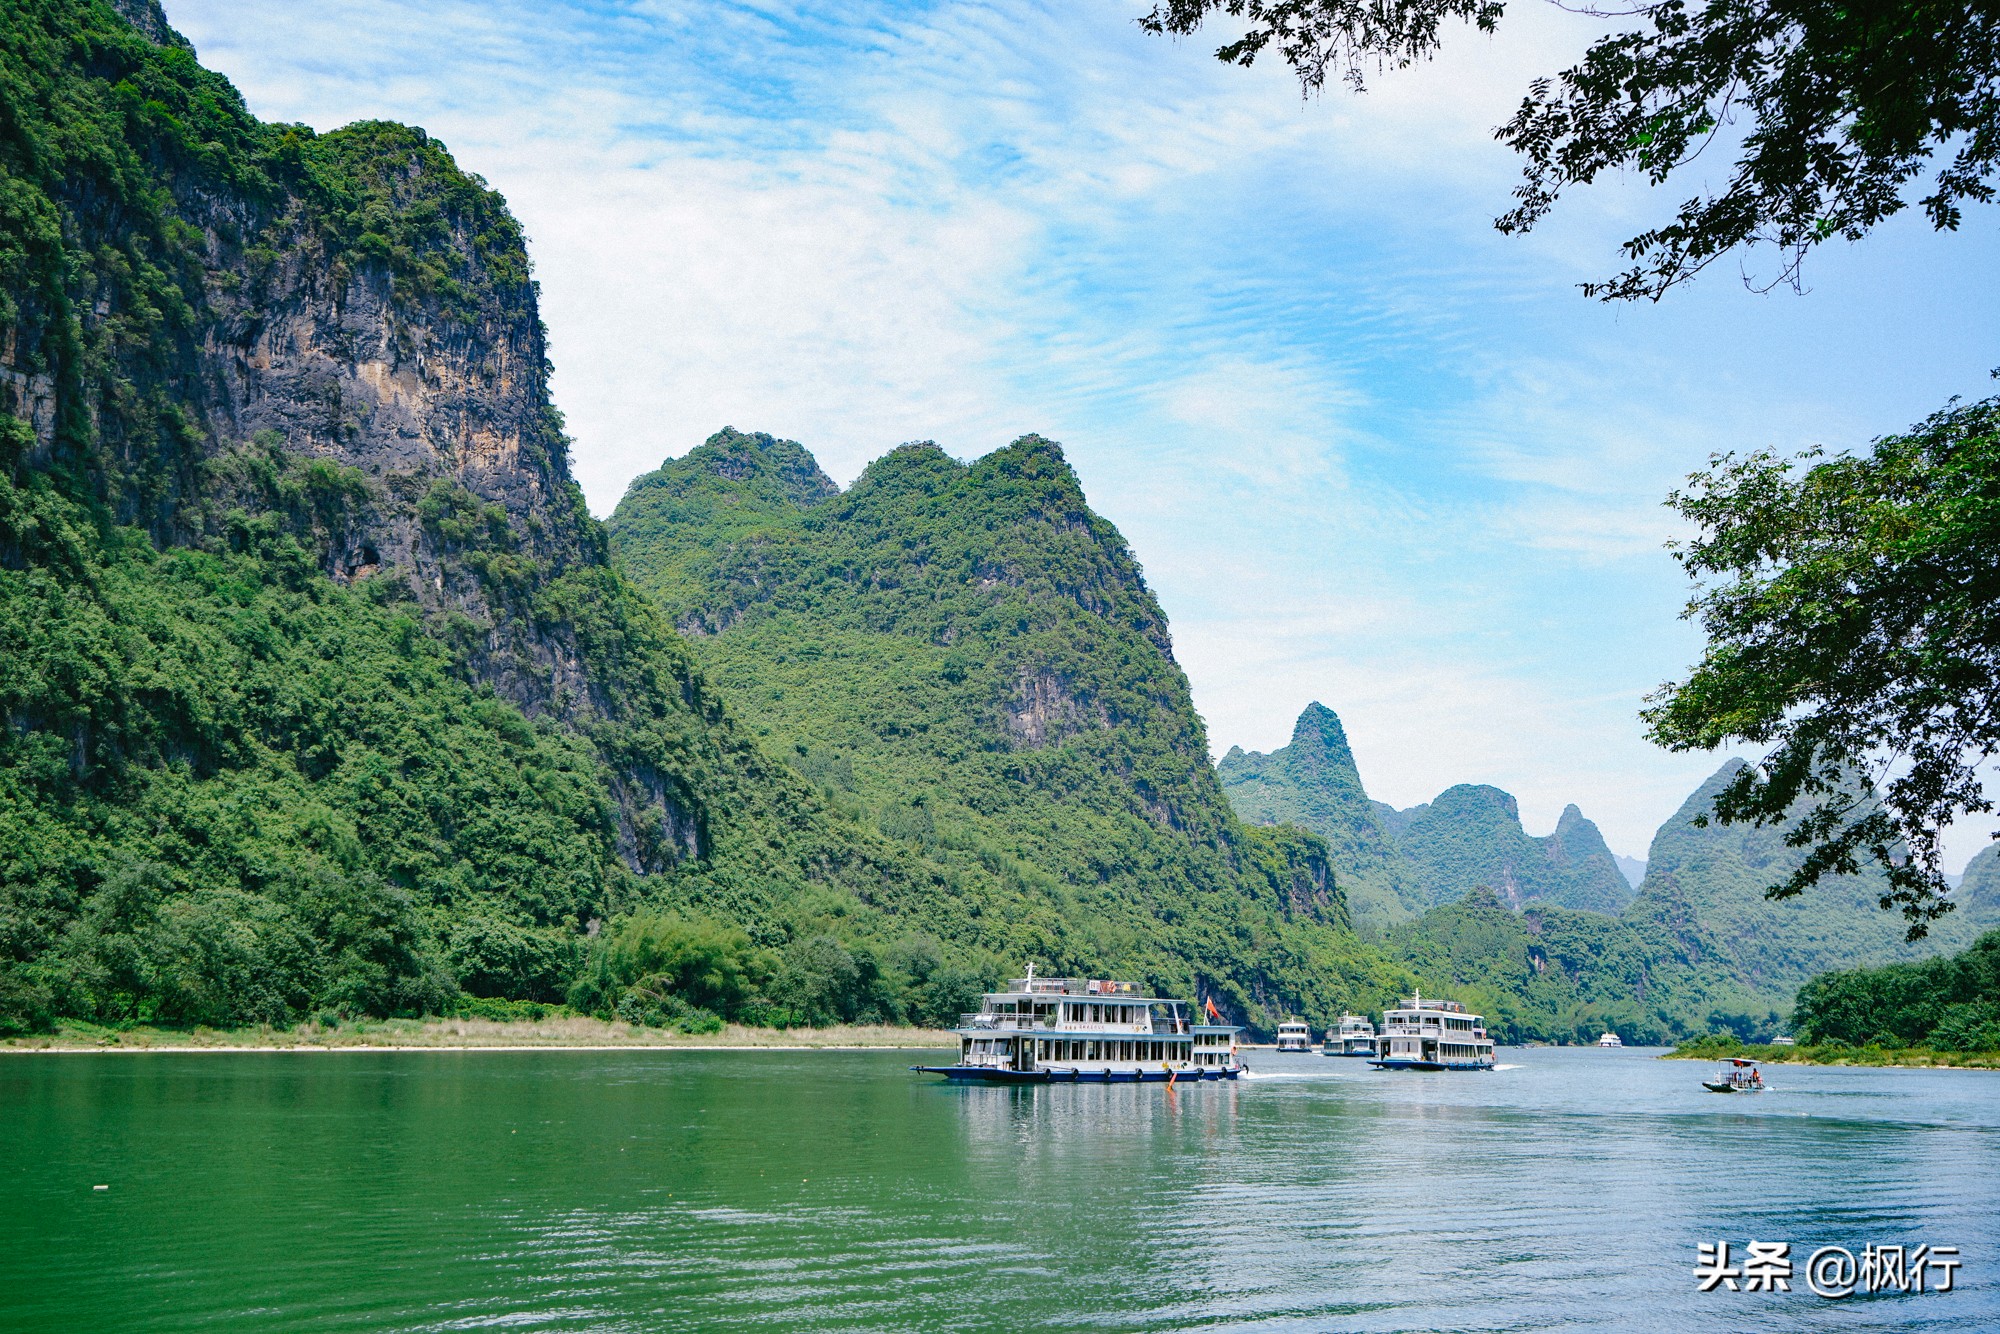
<point x="1713" y="1048"/>
<point x="556" y="1030"/>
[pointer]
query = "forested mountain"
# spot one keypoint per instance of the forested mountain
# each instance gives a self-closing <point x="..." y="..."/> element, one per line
<point x="1470" y="836"/>
<point x="1313" y="783"/>
<point x="1397" y="863"/>
<point x="966" y="657"/>
<point x="1717" y="874"/>
<point x="1698" y="946"/>
<point x="321" y="692"/>
<point x="324" y="693"/>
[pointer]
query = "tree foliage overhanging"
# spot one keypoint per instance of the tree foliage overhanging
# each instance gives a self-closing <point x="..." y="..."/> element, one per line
<point x="1853" y="618"/>
<point x="1844" y="109"/>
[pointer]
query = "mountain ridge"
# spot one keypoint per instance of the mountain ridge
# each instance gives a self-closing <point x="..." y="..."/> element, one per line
<point x="967" y="655"/>
<point x="1400" y="862"/>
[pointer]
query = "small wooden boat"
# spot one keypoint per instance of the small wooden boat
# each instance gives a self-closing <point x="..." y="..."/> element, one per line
<point x="1738" y="1074"/>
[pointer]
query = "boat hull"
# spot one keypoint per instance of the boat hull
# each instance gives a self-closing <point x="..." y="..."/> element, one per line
<point x="980" y="1074"/>
<point x="1401" y="1064"/>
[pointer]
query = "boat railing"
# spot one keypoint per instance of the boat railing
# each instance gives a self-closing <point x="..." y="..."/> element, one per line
<point x="1025" y="1023"/>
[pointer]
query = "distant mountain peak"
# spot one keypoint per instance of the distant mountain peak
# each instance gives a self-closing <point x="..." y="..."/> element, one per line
<point x="1313" y="782"/>
<point x="755" y="456"/>
<point x="1466" y="797"/>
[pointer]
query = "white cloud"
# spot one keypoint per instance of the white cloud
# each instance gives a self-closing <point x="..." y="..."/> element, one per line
<point x="1369" y="451"/>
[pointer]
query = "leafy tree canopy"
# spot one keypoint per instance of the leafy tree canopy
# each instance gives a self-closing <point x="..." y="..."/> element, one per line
<point x="1843" y="107"/>
<point x="1853" y="615"/>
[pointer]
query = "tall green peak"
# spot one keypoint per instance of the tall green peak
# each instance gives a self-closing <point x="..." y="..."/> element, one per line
<point x="1397" y="863"/>
<point x="754" y="460"/>
<point x="287" y="530"/>
<point x="967" y="657"/>
<point x="1314" y="783"/>
<point x="1720" y="872"/>
<point x="1470" y="836"/>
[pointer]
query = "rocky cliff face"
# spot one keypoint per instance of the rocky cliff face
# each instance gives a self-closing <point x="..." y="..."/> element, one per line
<point x="335" y="333"/>
<point x="349" y="316"/>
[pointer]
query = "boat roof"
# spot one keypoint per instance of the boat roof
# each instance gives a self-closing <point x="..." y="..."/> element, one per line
<point x="1422" y="1002"/>
<point x="1075" y="986"/>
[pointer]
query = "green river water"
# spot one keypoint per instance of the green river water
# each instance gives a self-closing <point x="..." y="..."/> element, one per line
<point x="640" y="1191"/>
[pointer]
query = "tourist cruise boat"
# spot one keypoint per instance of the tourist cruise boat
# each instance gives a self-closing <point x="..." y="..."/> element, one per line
<point x="1046" y="1030"/>
<point x="1610" y="1040"/>
<point x="1424" y="1034"/>
<point x="1355" y="1037"/>
<point x="1294" y="1036"/>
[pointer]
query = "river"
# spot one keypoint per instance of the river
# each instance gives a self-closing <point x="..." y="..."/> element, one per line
<point x="821" y="1191"/>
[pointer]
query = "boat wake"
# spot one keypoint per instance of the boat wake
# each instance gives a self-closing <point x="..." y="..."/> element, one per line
<point x="1506" y="1067"/>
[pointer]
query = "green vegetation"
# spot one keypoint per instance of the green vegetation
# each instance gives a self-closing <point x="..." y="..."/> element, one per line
<point x="235" y="789"/>
<point x="1946" y="1004"/>
<point x="131" y="178"/>
<point x="1314" y="784"/>
<point x="1843" y="108"/>
<point x="1715" y="1047"/>
<point x="1854" y="620"/>
<point x="965" y="657"/>
<point x="1699" y="948"/>
<point x="1395" y="864"/>
<point x="1557" y="975"/>
<point x="1471" y="836"/>
<point x="233" y="792"/>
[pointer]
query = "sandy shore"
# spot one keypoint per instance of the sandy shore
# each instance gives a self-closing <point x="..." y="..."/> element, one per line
<point x="554" y="1034"/>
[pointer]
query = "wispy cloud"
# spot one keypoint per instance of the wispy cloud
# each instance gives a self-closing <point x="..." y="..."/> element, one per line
<point x="1369" y="451"/>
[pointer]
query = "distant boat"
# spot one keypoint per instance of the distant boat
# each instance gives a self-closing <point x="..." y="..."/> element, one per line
<point x="1738" y="1074"/>
<point x="1355" y="1037"/>
<point x="1610" y="1040"/>
<point x="1294" y="1036"/>
<point x="1783" y="1042"/>
<point x="1433" y="1035"/>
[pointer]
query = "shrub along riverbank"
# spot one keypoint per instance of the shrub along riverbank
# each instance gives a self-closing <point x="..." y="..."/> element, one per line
<point x="555" y="1027"/>
<point x="1716" y="1046"/>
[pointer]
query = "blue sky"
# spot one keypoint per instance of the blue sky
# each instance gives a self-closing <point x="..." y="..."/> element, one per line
<point x="1369" y="451"/>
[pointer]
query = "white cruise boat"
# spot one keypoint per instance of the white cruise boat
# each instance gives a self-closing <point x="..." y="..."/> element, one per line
<point x="1610" y="1040"/>
<point x="1424" y="1034"/>
<point x="1046" y="1030"/>
<point x="1354" y="1037"/>
<point x="1294" y="1036"/>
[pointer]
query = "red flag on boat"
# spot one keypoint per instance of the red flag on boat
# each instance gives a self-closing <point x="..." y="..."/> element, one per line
<point x="1213" y="1013"/>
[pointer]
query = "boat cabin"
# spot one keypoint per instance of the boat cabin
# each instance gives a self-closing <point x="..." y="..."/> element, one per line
<point x="1432" y="1034"/>
<point x="1065" y="1028"/>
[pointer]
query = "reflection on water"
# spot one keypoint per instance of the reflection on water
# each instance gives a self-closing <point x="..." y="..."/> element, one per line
<point x="636" y="1191"/>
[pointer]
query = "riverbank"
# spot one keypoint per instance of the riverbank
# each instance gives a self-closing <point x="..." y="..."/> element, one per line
<point x="1715" y="1049"/>
<point x="554" y="1032"/>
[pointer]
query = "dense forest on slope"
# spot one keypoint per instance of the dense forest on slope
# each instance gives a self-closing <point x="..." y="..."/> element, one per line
<point x="966" y="657"/>
<point x="1698" y="947"/>
<point x="320" y="691"/>
<point x="1313" y="783"/>
<point x="1557" y="974"/>
<point x="1716" y="874"/>
<point x="1398" y="863"/>
<point x="1946" y="1004"/>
